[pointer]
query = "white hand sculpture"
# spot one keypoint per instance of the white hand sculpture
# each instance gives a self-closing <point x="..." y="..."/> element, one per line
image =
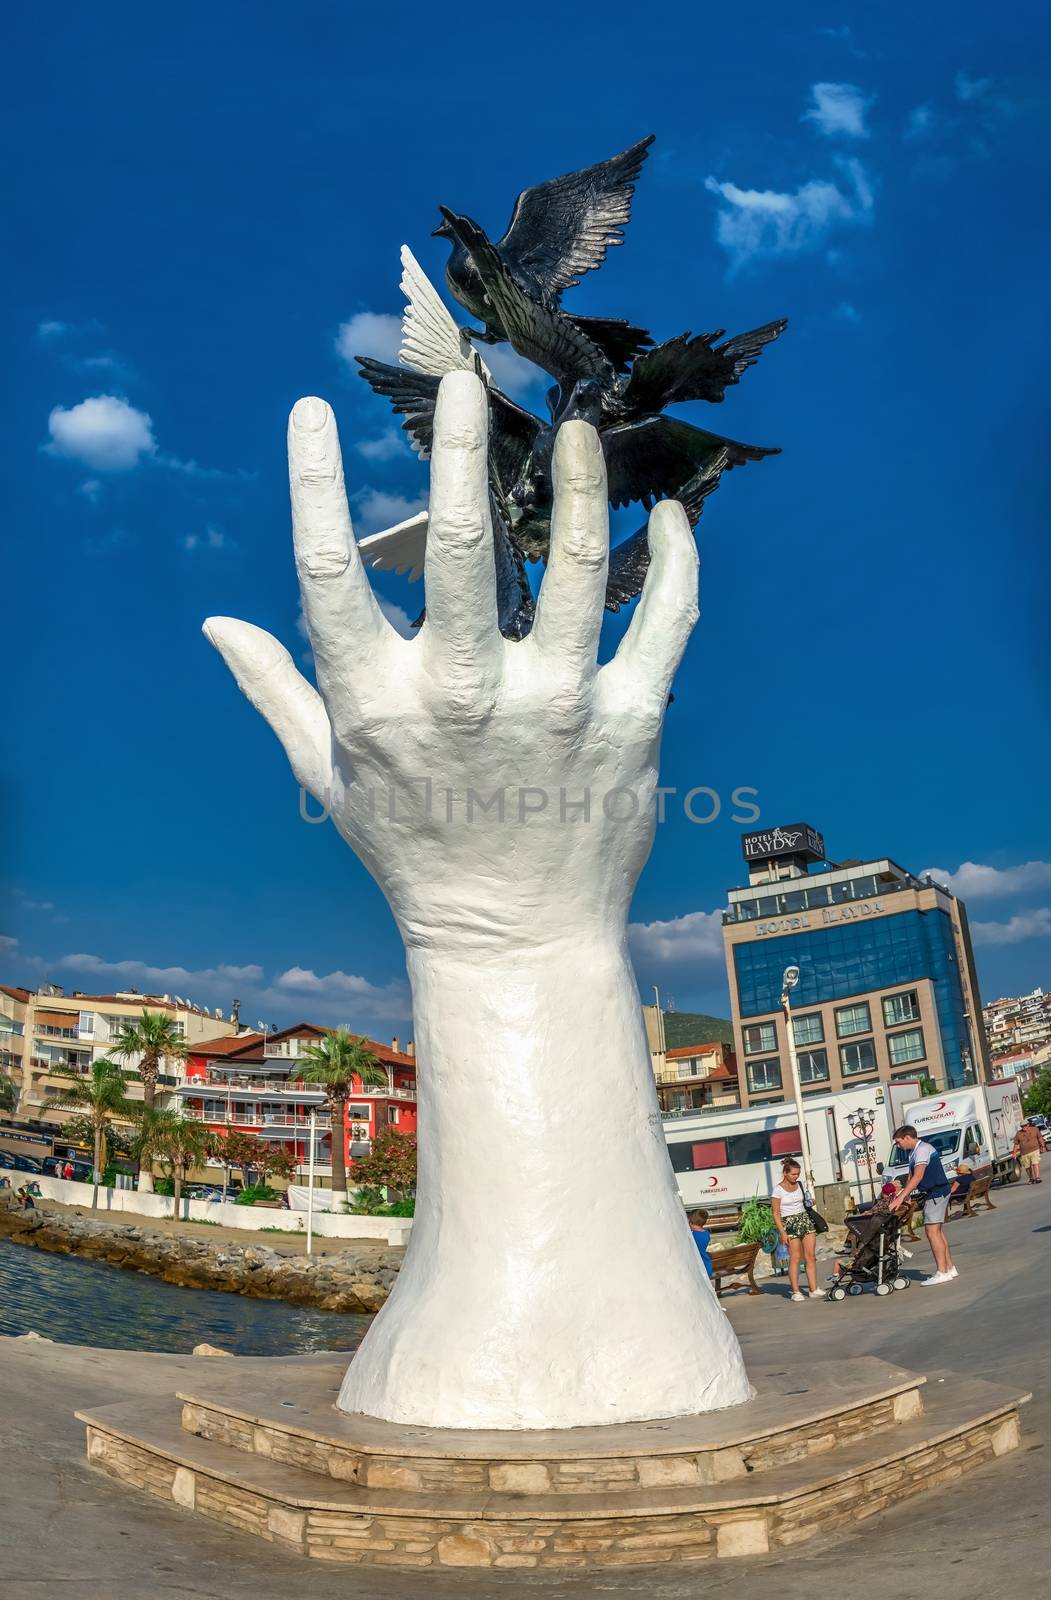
<point x="551" y="1280"/>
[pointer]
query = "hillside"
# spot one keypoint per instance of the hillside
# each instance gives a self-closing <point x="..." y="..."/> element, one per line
<point x="694" y="1027"/>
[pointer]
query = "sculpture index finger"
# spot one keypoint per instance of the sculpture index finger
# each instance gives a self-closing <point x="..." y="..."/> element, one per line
<point x="343" y="619"/>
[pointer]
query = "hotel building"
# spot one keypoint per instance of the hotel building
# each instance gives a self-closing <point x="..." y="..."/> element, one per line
<point x="887" y="989"/>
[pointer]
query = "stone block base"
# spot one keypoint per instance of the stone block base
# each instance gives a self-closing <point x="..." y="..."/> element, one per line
<point x="800" y="1460"/>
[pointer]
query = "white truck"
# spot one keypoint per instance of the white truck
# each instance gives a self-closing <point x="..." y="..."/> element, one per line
<point x="977" y="1125"/>
<point x="723" y="1158"/>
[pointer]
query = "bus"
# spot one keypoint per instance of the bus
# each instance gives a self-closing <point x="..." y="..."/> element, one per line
<point x="723" y="1158"/>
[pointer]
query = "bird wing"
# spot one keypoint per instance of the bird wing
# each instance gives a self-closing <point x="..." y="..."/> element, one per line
<point x="629" y="561"/>
<point x="694" y="368"/>
<point x="561" y="229"/>
<point x="544" y="335"/>
<point x="615" y="337"/>
<point x="658" y="456"/>
<point x="398" y="549"/>
<point x="431" y="342"/>
<point x="414" y="395"/>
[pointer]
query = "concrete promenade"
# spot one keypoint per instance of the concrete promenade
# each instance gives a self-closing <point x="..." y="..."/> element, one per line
<point x="70" y="1530"/>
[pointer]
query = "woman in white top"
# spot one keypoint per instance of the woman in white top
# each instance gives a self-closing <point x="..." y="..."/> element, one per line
<point x="795" y="1229"/>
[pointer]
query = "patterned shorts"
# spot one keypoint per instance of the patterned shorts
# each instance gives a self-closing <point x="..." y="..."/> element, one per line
<point x="799" y="1226"/>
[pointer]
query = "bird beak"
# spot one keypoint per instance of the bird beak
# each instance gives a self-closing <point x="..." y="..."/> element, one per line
<point x="441" y="231"/>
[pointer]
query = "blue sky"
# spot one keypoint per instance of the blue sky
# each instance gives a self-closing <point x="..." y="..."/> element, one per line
<point x="207" y="207"/>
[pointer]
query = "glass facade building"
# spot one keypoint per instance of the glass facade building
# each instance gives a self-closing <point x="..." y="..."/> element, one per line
<point x="886" y="979"/>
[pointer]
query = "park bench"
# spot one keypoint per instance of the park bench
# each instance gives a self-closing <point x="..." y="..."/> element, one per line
<point x="724" y="1221"/>
<point x="979" y="1190"/>
<point x="734" y="1268"/>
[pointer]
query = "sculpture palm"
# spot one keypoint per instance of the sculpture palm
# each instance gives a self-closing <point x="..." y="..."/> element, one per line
<point x="550" y="1280"/>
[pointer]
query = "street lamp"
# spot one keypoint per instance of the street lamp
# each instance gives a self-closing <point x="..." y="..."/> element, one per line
<point x="862" y="1121"/>
<point x="788" y="983"/>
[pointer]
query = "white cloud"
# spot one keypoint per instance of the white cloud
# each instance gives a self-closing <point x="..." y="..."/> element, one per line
<point x="693" y="939"/>
<point x="512" y="372"/>
<point x="8" y="942"/>
<point x="969" y="89"/>
<point x="838" y="110"/>
<point x="91" y="489"/>
<point x="388" y="447"/>
<point x="920" y="122"/>
<point x="755" y="223"/>
<point x="369" y="333"/>
<point x="972" y="881"/>
<point x="398" y="618"/>
<point x="212" y="538"/>
<point x="103" y="433"/>
<point x="329" y="995"/>
<point x="51" y="330"/>
<point x="160" y="979"/>
<point x="375" y="510"/>
<point x="1025" y="925"/>
<point x="847" y="313"/>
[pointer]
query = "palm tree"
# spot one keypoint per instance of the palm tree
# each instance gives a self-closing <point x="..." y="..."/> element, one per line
<point x="335" y="1062"/>
<point x="179" y="1143"/>
<point x="99" y="1097"/>
<point x="8" y="1093"/>
<point x="153" y="1038"/>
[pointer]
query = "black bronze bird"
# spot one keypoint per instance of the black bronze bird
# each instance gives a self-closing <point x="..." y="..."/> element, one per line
<point x="521" y="493"/>
<point x="558" y="231"/>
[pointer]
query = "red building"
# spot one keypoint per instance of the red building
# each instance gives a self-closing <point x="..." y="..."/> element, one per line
<point x="251" y="1083"/>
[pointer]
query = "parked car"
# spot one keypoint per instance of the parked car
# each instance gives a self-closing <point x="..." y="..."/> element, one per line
<point x="16" y="1163"/>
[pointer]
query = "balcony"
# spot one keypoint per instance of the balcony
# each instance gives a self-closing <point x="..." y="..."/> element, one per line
<point x="297" y="1092"/>
<point x="48" y="1031"/>
<point x="259" y="1119"/>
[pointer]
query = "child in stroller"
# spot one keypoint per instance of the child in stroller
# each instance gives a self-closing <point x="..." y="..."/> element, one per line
<point x="872" y="1237"/>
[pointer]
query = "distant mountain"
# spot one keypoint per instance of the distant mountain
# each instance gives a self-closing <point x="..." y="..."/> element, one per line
<point x="693" y="1027"/>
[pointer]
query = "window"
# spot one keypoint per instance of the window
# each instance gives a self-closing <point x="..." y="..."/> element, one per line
<point x="87" y="1023"/>
<point x="907" y="1046"/>
<point x="760" y="1038"/>
<point x="763" y="1075"/>
<point x="887" y="951"/>
<point x="786" y="1142"/>
<point x="710" y="1153"/>
<point x="687" y="1069"/>
<point x="393" y="1112"/>
<point x="853" y="1019"/>
<point x="899" y="1008"/>
<point x="358" y="1113"/>
<point x="859" y="1057"/>
<point x="809" y="1030"/>
<point x="813" y="1066"/>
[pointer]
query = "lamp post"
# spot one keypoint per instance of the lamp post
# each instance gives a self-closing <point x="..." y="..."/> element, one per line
<point x="788" y="983"/>
<point x="862" y="1121"/>
<point x="310" y="1181"/>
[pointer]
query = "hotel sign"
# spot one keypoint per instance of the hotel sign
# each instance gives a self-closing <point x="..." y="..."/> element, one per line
<point x="856" y="911"/>
<point x="798" y="839"/>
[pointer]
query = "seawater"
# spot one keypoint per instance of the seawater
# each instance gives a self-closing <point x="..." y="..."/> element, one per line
<point x="88" y="1302"/>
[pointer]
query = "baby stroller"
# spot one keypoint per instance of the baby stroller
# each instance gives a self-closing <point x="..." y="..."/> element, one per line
<point x="875" y="1258"/>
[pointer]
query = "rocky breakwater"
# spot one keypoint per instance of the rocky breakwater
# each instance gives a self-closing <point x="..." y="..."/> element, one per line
<point x="356" y="1279"/>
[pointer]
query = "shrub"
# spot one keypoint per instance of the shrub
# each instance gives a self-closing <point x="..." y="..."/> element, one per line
<point x="757" y="1224"/>
<point x="256" y="1191"/>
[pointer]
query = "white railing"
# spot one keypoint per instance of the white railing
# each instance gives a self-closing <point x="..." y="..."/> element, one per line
<point x="210" y="1084"/>
<point x="252" y="1119"/>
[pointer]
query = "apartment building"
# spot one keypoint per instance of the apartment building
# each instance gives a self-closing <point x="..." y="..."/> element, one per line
<point x="887" y="988"/>
<point x="46" y="1028"/>
<point x="252" y="1083"/>
<point x="1018" y="1025"/>
<point x="697" y="1077"/>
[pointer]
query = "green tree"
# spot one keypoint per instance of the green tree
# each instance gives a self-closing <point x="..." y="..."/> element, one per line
<point x="390" y="1164"/>
<point x="178" y="1143"/>
<point x="341" y="1064"/>
<point x="100" y="1097"/>
<point x="8" y="1093"/>
<point x="154" y="1038"/>
<point x="1037" y="1101"/>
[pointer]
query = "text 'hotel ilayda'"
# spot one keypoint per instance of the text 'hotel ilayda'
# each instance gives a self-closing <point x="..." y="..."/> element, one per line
<point x="887" y="987"/>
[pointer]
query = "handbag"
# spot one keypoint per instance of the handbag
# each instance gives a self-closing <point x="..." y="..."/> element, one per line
<point x="820" y="1225"/>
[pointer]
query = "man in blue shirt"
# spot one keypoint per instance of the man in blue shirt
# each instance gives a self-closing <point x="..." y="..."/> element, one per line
<point x="701" y="1237"/>
<point x="927" y="1178"/>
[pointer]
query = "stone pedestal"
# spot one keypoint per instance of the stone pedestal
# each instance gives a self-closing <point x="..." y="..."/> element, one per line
<point x="814" y="1452"/>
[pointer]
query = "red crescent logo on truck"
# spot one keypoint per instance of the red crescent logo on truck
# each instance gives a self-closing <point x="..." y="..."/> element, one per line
<point x="713" y="1181"/>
